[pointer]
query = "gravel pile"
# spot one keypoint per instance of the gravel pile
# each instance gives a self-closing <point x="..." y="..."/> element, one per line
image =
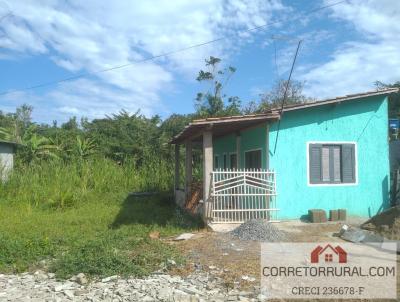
<point x="197" y="287"/>
<point x="259" y="230"/>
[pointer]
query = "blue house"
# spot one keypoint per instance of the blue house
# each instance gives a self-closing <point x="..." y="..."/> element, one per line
<point x="277" y="165"/>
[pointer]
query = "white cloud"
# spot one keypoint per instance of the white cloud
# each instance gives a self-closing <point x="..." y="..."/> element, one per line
<point x="355" y="66"/>
<point x="87" y="36"/>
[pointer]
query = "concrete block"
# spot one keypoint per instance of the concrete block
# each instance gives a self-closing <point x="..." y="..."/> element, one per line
<point x="342" y="214"/>
<point x="317" y="215"/>
<point x="323" y="217"/>
<point x="333" y="215"/>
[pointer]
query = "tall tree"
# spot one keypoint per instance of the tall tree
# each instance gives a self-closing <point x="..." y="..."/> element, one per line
<point x="394" y="98"/>
<point x="212" y="103"/>
<point x="274" y="97"/>
<point x="14" y="125"/>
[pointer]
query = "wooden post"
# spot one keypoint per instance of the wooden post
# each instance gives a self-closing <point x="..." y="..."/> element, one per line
<point x="188" y="169"/>
<point x="177" y="164"/>
<point x="207" y="169"/>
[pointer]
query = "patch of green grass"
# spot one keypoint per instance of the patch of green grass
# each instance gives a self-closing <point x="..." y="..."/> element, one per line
<point x="97" y="237"/>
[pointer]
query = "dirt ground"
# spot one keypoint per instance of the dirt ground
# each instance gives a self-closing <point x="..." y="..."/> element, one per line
<point x="238" y="261"/>
<point x="386" y="223"/>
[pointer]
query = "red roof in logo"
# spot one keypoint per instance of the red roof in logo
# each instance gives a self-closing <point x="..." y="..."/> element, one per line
<point x="328" y="251"/>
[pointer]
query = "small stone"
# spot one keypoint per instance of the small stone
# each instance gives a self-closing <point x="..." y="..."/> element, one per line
<point x="58" y="288"/>
<point x="81" y="279"/>
<point x="171" y="262"/>
<point x="249" y="279"/>
<point x="164" y="293"/>
<point x="184" y="236"/>
<point x="69" y="293"/>
<point x="80" y="292"/>
<point x="147" y="299"/>
<point x="40" y="276"/>
<point x="191" y="291"/>
<point x="108" y="279"/>
<point x="154" y="235"/>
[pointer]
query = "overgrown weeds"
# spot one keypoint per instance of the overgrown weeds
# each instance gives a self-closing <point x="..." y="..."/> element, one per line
<point x="79" y="217"/>
<point x="56" y="184"/>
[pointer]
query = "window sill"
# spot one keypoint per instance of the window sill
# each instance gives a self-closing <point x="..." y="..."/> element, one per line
<point x="333" y="184"/>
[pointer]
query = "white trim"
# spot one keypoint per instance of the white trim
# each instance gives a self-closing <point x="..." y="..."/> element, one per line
<point x="256" y="149"/>
<point x="331" y="143"/>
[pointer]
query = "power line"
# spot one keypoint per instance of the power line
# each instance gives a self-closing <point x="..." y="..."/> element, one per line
<point x="166" y="54"/>
<point x="285" y="94"/>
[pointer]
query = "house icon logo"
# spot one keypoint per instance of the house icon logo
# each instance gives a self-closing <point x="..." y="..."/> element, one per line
<point x="328" y="254"/>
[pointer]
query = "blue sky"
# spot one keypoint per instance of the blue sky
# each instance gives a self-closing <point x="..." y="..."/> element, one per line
<point x="346" y="48"/>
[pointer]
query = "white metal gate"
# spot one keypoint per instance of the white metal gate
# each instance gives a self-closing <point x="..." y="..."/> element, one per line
<point x="240" y="195"/>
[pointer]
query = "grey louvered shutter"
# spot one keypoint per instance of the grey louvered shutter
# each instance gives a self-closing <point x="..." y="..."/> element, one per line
<point x="348" y="163"/>
<point x="315" y="157"/>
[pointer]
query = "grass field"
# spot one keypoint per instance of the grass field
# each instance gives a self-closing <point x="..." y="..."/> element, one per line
<point x="94" y="238"/>
<point x="97" y="230"/>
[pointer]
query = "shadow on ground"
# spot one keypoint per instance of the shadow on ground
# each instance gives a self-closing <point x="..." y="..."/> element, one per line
<point x="156" y="209"/>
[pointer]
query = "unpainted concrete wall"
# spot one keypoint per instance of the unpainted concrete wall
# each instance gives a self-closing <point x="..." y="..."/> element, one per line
<point x="6" y="160"/>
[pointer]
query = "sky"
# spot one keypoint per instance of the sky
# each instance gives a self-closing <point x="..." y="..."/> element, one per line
<point x="345" y="49"/>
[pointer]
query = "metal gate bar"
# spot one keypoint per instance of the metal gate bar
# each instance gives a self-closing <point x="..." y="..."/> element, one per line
<point x="240" y="195"/>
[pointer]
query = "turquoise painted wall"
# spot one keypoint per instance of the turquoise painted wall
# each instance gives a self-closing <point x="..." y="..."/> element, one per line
<point x="250" y="139"/>
<point x="362" y="121"/>
<point x="224" y="144"/>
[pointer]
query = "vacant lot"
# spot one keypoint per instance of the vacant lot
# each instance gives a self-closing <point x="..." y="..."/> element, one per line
<point x="97" y="237"/>
<point x="238" y="261"/>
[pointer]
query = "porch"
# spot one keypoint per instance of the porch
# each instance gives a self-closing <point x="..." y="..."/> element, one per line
<point x="235" y="189"/>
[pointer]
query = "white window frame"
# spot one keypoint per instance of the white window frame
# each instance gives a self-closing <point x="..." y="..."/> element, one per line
<point x="332" y="143"/>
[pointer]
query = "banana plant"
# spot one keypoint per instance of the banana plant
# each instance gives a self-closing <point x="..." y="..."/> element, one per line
<point x="39" y="147"/>
<point x="84" y="147"/>
<point x="10" y="135"/>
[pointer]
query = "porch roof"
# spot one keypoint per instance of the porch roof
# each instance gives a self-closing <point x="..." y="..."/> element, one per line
<point x="224" y="125"/>
<point x="221" y="125"/>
